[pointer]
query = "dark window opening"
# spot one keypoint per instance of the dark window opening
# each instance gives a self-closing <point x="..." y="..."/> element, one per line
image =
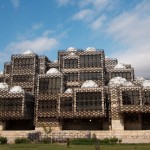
<point x="146" y="98"/>
<point x="90" y="76"/>
<point x="90" y="61"/>
<point x="71" y="63"/>
<point x="126" y="75"/>
<point x="88" y="101"/>
<point x="130" y="98"/>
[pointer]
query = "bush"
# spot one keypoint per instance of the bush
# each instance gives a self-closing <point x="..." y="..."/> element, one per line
<point x="105" y="141"/>
<point x="87" y="141"/>
<point x="22" y="140"/>
<point x="45" y="140"/>
<point x="113" y="140"/>
<point x="34" y="136"/>
<point x="3" y="140"/>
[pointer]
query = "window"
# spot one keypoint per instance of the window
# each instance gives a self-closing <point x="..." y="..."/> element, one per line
<point x="23" y="63"/>
<point x="49" y="85"/>
<point x="130" y="98"/>
<point x="71" y="63"/>
<point x="90" y="61"/>
<point x="88" y="101"/>
<point x="71" y="77"/>
<point x="131" y="117"/>
<point x="146" y="98"/>
<point x="90" y="76"/>
<point x="66" y="104"/>
<point x="126" y="75"/>
<point x="47" y="105"/>
<point x="22" y="78"/>
<point x="10" y="104"/>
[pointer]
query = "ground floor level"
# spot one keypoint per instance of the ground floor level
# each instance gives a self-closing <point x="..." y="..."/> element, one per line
<point x="127" y="121"/>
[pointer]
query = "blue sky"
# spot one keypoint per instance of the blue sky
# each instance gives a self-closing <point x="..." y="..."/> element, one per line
<point x="120" y="27"/>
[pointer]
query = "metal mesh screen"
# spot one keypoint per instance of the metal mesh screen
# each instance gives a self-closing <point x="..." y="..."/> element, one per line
<point x="88" y="101"/>
<point x="130" y="98"/>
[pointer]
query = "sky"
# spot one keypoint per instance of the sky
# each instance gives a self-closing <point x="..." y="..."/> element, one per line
<point x="120" y="27"/>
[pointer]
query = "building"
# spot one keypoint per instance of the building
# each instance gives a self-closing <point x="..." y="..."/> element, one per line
<point x="82" y="90"/>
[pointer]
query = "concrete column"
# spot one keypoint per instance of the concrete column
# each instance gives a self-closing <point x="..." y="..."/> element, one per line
<point x="117" y="122"/>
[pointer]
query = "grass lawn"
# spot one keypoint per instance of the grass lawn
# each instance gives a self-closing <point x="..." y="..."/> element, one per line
<point x="73" y="147"/>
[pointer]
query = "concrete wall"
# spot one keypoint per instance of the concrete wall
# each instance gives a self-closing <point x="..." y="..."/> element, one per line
<point x="127" y="136"/>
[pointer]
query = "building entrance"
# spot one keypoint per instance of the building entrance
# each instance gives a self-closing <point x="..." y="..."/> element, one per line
<point x="82" y="124"/>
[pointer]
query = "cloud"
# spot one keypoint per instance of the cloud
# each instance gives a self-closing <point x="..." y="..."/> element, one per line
<point x="36" y="26"/>
<point x="97" y="24"/>
<point x="96" y="3"/>
<point x="15" y="3"/>
<point x="131" y="29"/>
<point x="48" y="32"/>
<point x="37" y="45"/>
<point x="63" y="2"/>
<point x="83" y="14"/>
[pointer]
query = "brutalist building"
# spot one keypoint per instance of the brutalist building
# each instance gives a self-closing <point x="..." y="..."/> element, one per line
<point x="82" y="90"/>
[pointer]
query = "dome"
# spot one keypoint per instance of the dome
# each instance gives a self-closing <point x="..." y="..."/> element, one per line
<point x="116" y="81"/>
<point x="16" y="89"/>
<point x="28" y="52"/>
<point x="53" y="71"/>
<point x="90" y="49"/>
<point x="89" y="84"/>
<point x="146" y="83"/>
<point x="55" y="61"/>
<point x="71" y="49"/>
<point x="120" y="66"/>
<point x="3" y="86"/>
<point x="72" y="54"/>
<point x="128" y="83"/>
<point x="1" y="72"/>
<point x="69" y="91"/>
<point x="139" y="79"/>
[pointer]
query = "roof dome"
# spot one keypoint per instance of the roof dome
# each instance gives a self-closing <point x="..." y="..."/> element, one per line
<point x="53" y="71"/>
<point x="55" y="61"/>
<point x="116" y="81"/>
<point x="3" y="86"/>
<point x="120" y="66"/>
<point x="139" y="79"/>
<point x="146" y="83"/>
<point x="89" y="84"/>
<point x="90" y="49"/>
<point x="69" y="91"/>
<point x="128" y="83"/>
<point x="71" y="49"/>
<point x="16" y="89"/>
<point x="28" y="52"/>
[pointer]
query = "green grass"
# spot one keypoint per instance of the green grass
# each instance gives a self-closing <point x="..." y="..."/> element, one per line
<point x="73" y="147"/>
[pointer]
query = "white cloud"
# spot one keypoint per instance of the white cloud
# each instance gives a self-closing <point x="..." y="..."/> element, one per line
<point x="83" y="14"/>
<point x="97" y="24"/>
<point x="132" y="30"/>
<point x="37" y="45"/>
<point x="36" y="26"/>
<point x="48" y="32"/>
<point x="15" y="3"/>
<point x="63" y="2"/>
<point x="96" y="3"/>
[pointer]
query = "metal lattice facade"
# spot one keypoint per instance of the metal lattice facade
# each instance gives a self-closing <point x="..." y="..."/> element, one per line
<point x="46" y="102"/>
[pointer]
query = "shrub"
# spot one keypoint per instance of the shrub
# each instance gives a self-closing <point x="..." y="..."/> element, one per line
<point x="45" y="140"/>
<point x="34" y="136"/>
<point x="120" y="140"/>
<point x="105" y="141"/>
<point x="3" y="140"/>
<point x="22" y="140"/>
<point x="113" y="140"/>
